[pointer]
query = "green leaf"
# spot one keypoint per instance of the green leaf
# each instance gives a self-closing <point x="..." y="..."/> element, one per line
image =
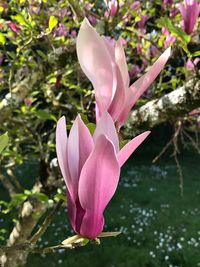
<point x="11" y="54"/>
<point x="18" y="199"/>
<point x="59" y="197"/>
<point x="178" y="32"/>
<point x="3" y="141"/>
<point x="91" y="127"/>
<point x="21" y="20"/>
<point x="84" y="118"/>
<point x="53" y="21"/>
<point x="109" y="234"/>
<point x="196" y="54"/>
<point x="44" y="115"/>
<point x="2" y="39"/>
<point x="40" y="53"/>
<point x="42" y="197"/>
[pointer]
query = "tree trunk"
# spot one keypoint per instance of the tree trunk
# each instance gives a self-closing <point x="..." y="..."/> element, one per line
<point x="30" y="213"/>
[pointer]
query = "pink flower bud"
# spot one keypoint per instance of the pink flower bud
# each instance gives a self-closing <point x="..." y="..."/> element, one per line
<point x="190" y="10"/>
<point x="113" y="6"/>
<point x="135" y="5"/>
<point x="142" y="22"/>
<point x="90" y="166"/>
<point x="14" y="27"/>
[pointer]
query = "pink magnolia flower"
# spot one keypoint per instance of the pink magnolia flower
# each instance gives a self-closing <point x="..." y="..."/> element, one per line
<point x="14" y="27"/>
<point x="92" y="19"/>
<point x="142" y="22"/>
<point x="168" y="2"/>
<point x="139" y="48"/>
<point x="145" y="61"/>
<point x="105" y="66"/>
<point x="190" y="11"/>
<point x="173" y="12"/>
<point x="154" y="50"/>
<point x="73" y="34"/>
<point x="170" y="39"/>
<point x="135" y="5"/>
<point x="91" y="166"/>
<point x="61" y="30"/>
<point x="112" y="8"/>
<point x="190" y="65"/>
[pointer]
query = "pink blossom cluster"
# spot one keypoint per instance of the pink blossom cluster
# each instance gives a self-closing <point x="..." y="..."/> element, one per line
<point x="91" y="164"/>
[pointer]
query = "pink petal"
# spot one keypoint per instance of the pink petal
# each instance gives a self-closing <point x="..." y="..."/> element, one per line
<point x="142" y="84"/>
<point x="129" y="148"/>
<point x="106" y="127"/>
<point x="72" y="210"/>
<point x="61" y="149"/>
<point x="97" y="185"/>
<point x="119" y="98"/>
<point x="121" y="63"/>
<point x="80" y="145"/>
<point x="111" y="50"/>
<point x="95" y="62"/>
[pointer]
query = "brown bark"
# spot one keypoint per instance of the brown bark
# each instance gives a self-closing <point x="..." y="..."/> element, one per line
<point x="168" y="108"/>
<point x="31" y="211"/>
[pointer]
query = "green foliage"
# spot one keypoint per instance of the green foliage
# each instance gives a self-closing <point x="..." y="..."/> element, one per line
<point x="53" y="21"/>
<point x="2" y="39"/>
<point x="91" y="127"/>
<point x="3" y="141"/>
<point x="44" y="115"/>
<point x="177" y="31"/>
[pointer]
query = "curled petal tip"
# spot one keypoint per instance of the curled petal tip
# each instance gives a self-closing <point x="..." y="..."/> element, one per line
<point x="129" y="148"/>
<point x="62" y="120"/>
<point x="147" y="133"/>
<point x="61" y="124"/>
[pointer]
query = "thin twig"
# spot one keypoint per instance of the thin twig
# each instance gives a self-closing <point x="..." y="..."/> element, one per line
<point x="163" y="151"/>
<point x="76" y="9"/>
<point x="45" y="224"/>
<point x="175" y="155"/>
<point x="28" y="247"/>
<point x="195" y="145"/>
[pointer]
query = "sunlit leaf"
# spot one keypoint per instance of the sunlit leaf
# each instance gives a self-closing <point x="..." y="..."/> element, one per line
<point x="196" y="54"/>
<point x="21" y="20"/>
<point x="53" y="21"/>
<point x="91" y="127"/>
<point x="42" y="197"/>
<point x="18" y="199"/>
<point x="44" y="115"/>
<point x="3" y="141"/>
<point x="2" y="39"/>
